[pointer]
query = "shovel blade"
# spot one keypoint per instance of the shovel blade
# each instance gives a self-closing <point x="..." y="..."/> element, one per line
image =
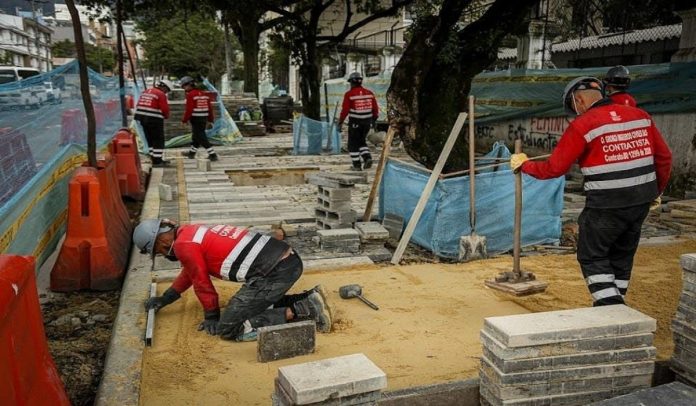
<point x="472" y="247"/>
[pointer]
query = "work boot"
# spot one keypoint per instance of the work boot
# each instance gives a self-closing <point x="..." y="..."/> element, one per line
<point x="213" y="157"/>
<point x="159" y="163"/>
<point x="355" y="168"/>
<point x="314" y="307"/>
<point x="368" y="163"/>
<point x="191" y="154"/>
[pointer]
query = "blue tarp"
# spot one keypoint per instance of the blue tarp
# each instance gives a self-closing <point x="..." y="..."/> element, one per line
<point x="311" y="137"/>
<point x="446" y="215"/>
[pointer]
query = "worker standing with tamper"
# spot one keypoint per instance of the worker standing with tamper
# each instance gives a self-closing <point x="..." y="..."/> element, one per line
<point x="626" y="165"/>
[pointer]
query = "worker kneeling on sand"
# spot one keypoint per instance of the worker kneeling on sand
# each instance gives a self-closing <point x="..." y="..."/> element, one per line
<point x="625" y="164"/>
<point x="267" y="267"/>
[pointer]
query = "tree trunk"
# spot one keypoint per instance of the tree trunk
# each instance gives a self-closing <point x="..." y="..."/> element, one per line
<point x="249" y="40"/>
<point x="432" y="80"/>
<point x="228" y="53"/>
<point x="310" y="82"/>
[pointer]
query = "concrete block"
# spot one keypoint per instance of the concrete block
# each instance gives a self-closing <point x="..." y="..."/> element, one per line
<point x="566" y="348"/>
<point x="336" y="206"/>
<point x="378" y="255"/>
<point x="338" y="377"/>
<point x="572" y="360"/>
<point x="688" y="299"/>
<point x="673" y="394"/>
<point x="394" y="224"/>
<point x="523" y="391"/>
<point x="460" y="393"/>
<point x="203" y="165"/>
<point x="285" y="340"/>
<point x="348" y="216"/>
<point x="568" y="325"/>
<point x="362" y="399"/>
<point x="371" y="230"/>
<point x="338" y="235"/>
<point x="685" y="329"/>
<point x="165" y="192"/>
<point x="332" y="225"/>
<point x="688" y="262"/>
<point x="689" y="277"/>
<point x="567" y="374"/>
<point x="335" y="194"/>
<point x="579" y="399"/>
<point x="336" y="183"/>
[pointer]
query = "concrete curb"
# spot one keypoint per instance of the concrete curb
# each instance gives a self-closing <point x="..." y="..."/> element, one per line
<point x="120" y="384"/>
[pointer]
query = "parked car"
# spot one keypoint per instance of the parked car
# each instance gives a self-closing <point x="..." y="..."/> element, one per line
<point x="53" y="93"/>
<point x="19" y="99"/>
<point x="10" y="74"/>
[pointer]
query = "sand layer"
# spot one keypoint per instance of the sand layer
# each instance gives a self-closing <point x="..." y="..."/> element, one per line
<point x="426" y="330"/>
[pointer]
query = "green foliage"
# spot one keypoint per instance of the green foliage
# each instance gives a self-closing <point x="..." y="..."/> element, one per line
<point x="184" y="44"/>
<point x="98" y="58"/>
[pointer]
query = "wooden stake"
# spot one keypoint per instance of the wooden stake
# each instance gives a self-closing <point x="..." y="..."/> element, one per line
<point x="411" y="227"/>
<point x="378" y="173"/>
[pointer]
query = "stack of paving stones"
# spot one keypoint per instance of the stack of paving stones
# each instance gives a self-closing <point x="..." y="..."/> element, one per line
<point x="567" y="357"/>
<point x="671" y="394"/>
<point x="373" y="236"/>
<point x="680" y="215"/>
<point x="333" y="210"/>
<point x="339" y="240"/>
<point x="347" y="380"/>
<point x="684" y="324"/>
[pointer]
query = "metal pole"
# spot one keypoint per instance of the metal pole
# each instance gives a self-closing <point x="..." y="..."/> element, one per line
<point x="518" y="214"/>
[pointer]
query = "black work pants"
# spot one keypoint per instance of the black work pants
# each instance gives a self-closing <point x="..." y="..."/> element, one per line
<point x="357" y="145"/>
<point x="198" y="137"/>
<point x="607" y="242"/>
<point x="256" y="296"/>
<point x="154" y="133"/>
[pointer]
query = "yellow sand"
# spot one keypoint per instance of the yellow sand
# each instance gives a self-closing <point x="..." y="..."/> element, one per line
<point x="426" y="330"/>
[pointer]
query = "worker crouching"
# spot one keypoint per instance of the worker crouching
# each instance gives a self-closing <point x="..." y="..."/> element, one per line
<point x="266" y="266"/>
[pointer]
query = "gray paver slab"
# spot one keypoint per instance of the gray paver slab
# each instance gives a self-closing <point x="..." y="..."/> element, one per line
<point x="568" y="325"/>
<point x="573" y="399"/>
<point x="317" y="381"/>
<point x="688" y="262"/>
<point x="672" y="394"/>
<point x="285" y="340"/>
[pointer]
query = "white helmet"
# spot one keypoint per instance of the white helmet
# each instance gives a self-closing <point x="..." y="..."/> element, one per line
<point x="166" y="83"/>
<point x="146" y="233"/>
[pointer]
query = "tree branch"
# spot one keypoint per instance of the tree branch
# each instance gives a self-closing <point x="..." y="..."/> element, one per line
<point x="349" y="29"/>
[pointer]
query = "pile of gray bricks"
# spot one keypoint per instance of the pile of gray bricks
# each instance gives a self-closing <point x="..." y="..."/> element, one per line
<point x="568" y="357"/>
<point x="684" y="324"/>
<point x="339" y="240"/>
<point x="372" y="238"/>
<point x="333" y="208"/>
<point x="347" y="380"/>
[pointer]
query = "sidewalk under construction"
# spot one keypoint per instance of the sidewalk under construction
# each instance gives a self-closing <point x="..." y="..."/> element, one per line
<point x="427" y="329"/>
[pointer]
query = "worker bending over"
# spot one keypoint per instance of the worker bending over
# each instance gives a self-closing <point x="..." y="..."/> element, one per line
<point x="267" y="267"/>
<point x="626" y="165"/>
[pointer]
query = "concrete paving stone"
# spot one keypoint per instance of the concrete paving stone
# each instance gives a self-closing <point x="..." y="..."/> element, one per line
<point x="165" y="192"/>
<point x="686" y="314"/>
<point x="338" y="377"/>
<point x="573" y="399"/>
<point x="371" y="230"/>
<point x="685" y="329"/>
<point x="566" y="348"/>
<point x="688" y="286"/>
<point x="686" y="356"/>
<point x="509" y="392"/>
<point x="352" y="248"/>
<point x="335" y="194"/>
<point x="203" y="165"/>
<point x="688" y="276"/>
<point x="282" y="398"/>
<point x="335" y="263"/>
<point x="683" y="370"/>
<point x="572" y="360"/>
<point x="285" y="340"/>
<point x="257" y="221"/>
<point x="568" y="325"/>
<point x="688" y="299"/>
<point x="332" y="225"/>
<point x="688" y="262"/>
<point x="566" y="374"/>
<point x="672" y="394"/>
<point x="339" y="206"/>
<point x="378" y="255"/>
<point x="338" y="235"/>
<point x="321" y="181"/>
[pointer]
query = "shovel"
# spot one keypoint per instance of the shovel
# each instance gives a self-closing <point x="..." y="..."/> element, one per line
<point x="472" y="246"/>
<point x="351" y="291"/>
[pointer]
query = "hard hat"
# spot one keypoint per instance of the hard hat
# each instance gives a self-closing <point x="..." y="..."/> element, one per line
<point x="146" y="233"/>
<point x="581" y="83"/>
<point x="166" y="83"/>
<point x="185" y="81"/>
<point x="618" y="77"/>
<point x="355" y="77"/>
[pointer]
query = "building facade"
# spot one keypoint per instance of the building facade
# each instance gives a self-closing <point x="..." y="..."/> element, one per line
<point x="25" y="42"/>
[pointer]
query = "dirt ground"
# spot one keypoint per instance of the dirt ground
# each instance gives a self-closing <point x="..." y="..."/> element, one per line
<point x="426" y="330"/>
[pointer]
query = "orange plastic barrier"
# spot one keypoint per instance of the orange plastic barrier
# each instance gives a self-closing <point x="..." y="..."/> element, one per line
<point x="128" y="169"/>
<point x="73" y="127"/>
<point x="28" y="375"/>
<point x="98" y="236"/>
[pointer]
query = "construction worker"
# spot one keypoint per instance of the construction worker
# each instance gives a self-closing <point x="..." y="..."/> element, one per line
<point x="360" y="105"/>
<point x="199" y="110"/>
<point x="626" y="165"/>
<point x="151" y="111"/>
<point x="267" y="267"/>
<point x="616" y="83"/>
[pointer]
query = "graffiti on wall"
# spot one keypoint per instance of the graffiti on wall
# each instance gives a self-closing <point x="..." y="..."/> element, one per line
<point x="536" y="133"/>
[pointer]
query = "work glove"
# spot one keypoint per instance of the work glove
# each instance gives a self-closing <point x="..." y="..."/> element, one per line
<point x="210" y="323"/>
<point x="516" y="161"/>
<point x="655" y="204"/>
<point x="170" y="296"/>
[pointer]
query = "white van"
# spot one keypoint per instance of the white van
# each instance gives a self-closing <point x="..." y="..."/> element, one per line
<point x="14" y="73"/>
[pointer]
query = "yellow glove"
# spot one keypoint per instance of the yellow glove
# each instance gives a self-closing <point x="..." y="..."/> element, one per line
<point x="656" y="203"/>
<point x="516" y="161"/>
